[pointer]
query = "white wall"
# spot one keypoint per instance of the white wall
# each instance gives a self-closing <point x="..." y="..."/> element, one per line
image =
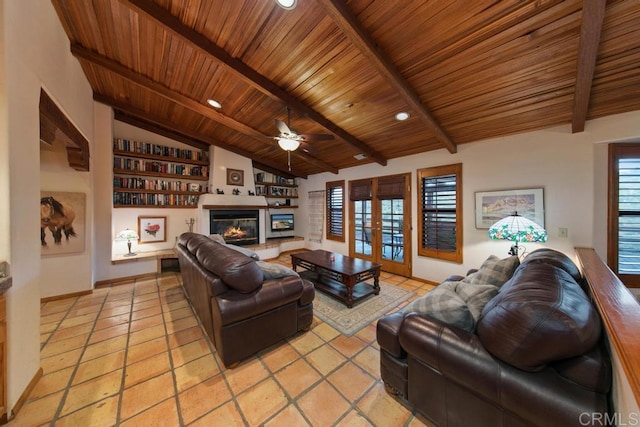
<point x="67" y="273"/>
<point x="571" y="168"/>
<point x="113" y="220"/>
<point x="35" y="54"/>
<point x="554" y="159"/>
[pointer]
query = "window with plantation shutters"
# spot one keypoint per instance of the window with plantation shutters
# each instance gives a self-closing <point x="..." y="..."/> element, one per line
<point x="335" y="211"/>
<point x="440" y="212"/>
<point x="624" y="212"/>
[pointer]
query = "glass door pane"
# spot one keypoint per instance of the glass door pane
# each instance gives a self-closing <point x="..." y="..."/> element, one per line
<point x="392" y="219"/>
<point x="362" y="227"/>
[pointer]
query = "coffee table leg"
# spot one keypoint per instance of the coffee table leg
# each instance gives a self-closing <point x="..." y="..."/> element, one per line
<point x="376" y="283"/>
<point x="349" y="296"/>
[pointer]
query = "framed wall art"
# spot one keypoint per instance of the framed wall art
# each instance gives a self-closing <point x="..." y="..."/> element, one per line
<point x="492" y="206"/>
<point x="235" y="177"/>
<point x="152" y="229"/>
<point x="62" y="222"/>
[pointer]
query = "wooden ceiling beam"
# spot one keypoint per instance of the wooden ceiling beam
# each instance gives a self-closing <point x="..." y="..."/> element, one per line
<point x="124" y="112"/>
<point x="173" y="25"/>
<point x="590" y="31"/>
<point x="54" y="123"/>
<point x="351" y="27"/>
<point x="195" y="106"/>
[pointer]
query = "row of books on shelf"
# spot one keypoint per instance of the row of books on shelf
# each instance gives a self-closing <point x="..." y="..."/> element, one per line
<point x="158" y="184"/>
<point x="157" y="150"/>
<point x="270" y="178"/>
<point x="161" y="167"/>
<point x="150" y="199"/>
<point x="276" y="191"/>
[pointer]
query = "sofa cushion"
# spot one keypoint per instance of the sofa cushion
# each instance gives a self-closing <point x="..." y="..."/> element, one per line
<point x="557" y="258"/>
<point x="540" y="315"/>
<point x="274" y="271"/>
<point x="236" y="270"/>
<point x="494" y="271"/>
<point x="457" y="304"/>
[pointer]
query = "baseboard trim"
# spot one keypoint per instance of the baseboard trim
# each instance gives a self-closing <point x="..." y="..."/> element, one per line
<point x="428" y="282"/>
<point x="63" y="296"/>
<point x="120" y="280"/>
<point x="23" y="398"/>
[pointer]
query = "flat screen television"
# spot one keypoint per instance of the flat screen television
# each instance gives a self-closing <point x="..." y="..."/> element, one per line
<point x="281" y="222"/>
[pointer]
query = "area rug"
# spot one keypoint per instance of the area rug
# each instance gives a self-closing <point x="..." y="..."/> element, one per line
<point x="348" y="321"/>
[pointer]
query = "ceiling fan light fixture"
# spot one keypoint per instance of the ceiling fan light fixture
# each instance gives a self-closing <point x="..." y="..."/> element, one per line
<point x="287" y="4"/>
<point x="214" y="103"/>
<point x="402" y="116"/>
<point x="288" y="144"/>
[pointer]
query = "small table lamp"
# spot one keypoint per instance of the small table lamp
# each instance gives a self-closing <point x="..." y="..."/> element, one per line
<point x="127" y="235"/>
<point x="517" y="229"/>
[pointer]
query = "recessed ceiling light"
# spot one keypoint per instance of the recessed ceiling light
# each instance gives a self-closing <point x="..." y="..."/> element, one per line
<point x="214" y="103"/>
<point x="286" y="4"/>
<point x="402" y="116"/>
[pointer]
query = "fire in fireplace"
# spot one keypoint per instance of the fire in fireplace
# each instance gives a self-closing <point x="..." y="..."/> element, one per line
<point x="238" y="227"/>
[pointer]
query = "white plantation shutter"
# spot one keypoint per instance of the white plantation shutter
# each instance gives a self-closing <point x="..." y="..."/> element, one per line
<point x="316" y="215"/>
<point x="629" y="216"/>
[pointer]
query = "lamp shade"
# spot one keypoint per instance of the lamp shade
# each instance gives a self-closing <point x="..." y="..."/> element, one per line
<point x="288" y="144"/>
<point x="127" y="234"/>
<point x="517" y="229"/>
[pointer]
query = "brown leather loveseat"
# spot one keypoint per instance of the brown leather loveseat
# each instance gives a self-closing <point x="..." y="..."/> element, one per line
<point x="535" y="357"/>
<point x="242" y="311"/>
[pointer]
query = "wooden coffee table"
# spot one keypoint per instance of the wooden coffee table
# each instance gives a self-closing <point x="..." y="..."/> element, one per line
<point x="338" y="275"/>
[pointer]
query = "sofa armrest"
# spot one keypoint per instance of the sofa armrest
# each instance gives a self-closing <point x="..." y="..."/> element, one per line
<point x="388" y="334"/>
<point x="308" y="293"/>
<point x="236" y="306"/>
<point x="458" y="355"/>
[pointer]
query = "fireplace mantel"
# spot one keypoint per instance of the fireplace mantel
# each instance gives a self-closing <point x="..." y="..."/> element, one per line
<point x="236" y="207"/>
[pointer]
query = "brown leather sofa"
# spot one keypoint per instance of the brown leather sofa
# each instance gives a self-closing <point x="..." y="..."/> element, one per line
<point x="241" y="311"/>
<point x="537" y="355"/>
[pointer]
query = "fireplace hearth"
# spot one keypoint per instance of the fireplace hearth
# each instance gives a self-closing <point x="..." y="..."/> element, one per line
<point x="238" y="227"/>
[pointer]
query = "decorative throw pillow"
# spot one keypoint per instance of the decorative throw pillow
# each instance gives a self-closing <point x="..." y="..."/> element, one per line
<point x="475" y="296"/>
<point x="217" y="238"/>
<point x="246" y="251"/>
<point x="275" y="271"/>
<point x="494" y="271"/>
<point x="445" y="305"/>
<point x="457" y="304"/>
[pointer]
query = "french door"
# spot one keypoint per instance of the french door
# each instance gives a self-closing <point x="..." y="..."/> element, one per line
<point x="380" y="221"/>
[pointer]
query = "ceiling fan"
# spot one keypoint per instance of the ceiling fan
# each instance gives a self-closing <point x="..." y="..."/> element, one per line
<point x="289" y="140"/>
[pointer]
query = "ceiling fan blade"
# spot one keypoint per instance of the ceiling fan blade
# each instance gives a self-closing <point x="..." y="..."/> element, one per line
<point x="307" y="148"/>
<point x="310" y="137"/>
<point x="282" y="127"/>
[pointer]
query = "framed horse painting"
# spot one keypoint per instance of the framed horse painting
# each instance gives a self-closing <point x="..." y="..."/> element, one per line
<point x="62" y="222"/>
<point x="152" y="229"/>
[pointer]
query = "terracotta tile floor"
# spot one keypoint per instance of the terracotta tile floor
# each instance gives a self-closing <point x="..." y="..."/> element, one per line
<point x="135" y="355"/>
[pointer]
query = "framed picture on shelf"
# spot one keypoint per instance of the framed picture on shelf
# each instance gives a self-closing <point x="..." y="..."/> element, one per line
<point x="235" y="177"/>
<point x="492" y="206"/>
<point x="152" y="229"/>
<point x="194" y="188"/>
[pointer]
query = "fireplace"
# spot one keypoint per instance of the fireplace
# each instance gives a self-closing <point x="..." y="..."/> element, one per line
<point x="238" y="227"/>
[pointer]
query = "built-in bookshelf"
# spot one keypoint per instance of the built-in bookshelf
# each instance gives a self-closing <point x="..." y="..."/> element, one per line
<point x="152" y="175"/>
<point x="282" y="190"/>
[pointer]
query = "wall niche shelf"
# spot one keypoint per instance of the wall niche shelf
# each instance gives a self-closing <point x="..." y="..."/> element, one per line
<point x="277" y="188"/>
<point x="181" y="175"/>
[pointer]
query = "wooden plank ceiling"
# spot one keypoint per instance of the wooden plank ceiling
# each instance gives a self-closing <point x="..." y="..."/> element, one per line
<point x="464" y="70"/>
